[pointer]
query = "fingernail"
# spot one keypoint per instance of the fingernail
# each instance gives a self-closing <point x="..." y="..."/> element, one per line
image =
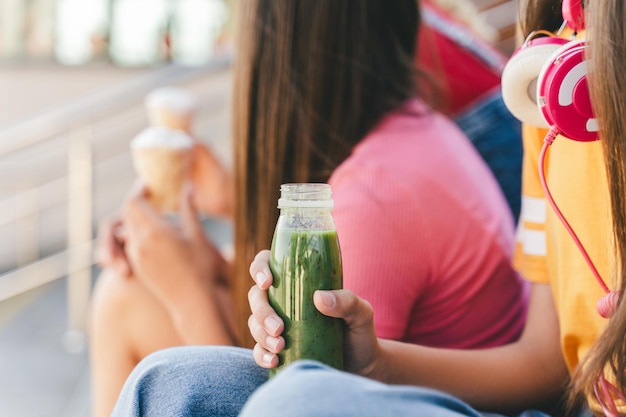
<point x="271" y="324"/>
<point x="119" y="231"/>
<point x="272" y="343"/>
<point x="327" y="298"/>
<point x="260" y="278"/>
<point x="267" y="358"/>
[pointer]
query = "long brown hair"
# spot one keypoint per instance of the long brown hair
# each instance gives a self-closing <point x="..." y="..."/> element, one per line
<point x="607" y="35"/>
<point x="312" y="77"/>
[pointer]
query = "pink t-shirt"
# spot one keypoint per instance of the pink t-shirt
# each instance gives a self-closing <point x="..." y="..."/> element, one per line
<point x="425" y="235"/>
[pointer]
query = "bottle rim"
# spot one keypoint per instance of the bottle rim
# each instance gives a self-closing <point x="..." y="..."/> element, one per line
<point x="305" y="195"/>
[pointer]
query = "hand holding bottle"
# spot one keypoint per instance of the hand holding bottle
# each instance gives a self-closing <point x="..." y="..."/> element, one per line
<point x="360" y="346"/>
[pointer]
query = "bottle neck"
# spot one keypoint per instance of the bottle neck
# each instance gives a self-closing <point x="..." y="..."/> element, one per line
<point x="305" y="218"/>
<point x="305" y="196"/>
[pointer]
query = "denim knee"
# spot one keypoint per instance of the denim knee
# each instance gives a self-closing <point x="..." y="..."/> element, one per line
<point x="185" y="381"/>
<point x="308" y="388"/>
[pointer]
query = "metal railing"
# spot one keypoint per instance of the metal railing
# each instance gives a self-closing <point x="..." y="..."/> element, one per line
<point x="49" y="168"/>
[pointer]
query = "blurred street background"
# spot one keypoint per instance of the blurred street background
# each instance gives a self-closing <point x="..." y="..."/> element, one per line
<point x="73" y="76"/>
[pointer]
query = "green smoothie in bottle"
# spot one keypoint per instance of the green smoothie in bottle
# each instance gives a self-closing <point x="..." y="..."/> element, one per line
<point x="305" y="257"/>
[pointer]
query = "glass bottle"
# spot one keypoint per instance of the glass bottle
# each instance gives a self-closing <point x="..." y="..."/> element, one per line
<point x="305" y="257"/>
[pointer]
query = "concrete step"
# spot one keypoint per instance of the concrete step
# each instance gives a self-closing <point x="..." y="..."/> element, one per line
<point x="38" y="376"/>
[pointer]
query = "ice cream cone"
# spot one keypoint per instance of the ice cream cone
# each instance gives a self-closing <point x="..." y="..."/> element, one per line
<point x="171" y="107"/>
<point x="162" y="158"/>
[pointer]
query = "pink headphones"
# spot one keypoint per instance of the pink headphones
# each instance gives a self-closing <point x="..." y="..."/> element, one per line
<point x="545" y="81"/>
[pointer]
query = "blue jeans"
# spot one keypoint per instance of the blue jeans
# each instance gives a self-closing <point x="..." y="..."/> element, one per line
<point x="191" y="381"/>
<point x="310" y="389"/>
<point x="497" y="136"/>
<point x="226" y="382"/>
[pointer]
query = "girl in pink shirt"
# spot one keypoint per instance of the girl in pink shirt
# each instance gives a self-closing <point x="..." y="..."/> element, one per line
<point x="426" y="236"/>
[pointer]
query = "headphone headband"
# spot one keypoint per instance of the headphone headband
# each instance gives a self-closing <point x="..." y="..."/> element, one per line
<point x="574" y="14"/>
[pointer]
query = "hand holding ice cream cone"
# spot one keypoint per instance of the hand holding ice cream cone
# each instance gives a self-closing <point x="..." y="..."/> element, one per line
<point x="174" y="108"/>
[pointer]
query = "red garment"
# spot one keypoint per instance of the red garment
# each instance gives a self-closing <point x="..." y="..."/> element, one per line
<point x="466" y="67"/>
<point x="426" y="235"/>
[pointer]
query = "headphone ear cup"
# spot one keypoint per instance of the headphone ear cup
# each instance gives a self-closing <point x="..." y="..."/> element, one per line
<point x="563" y="93"/>
<point x="519" y="80"/>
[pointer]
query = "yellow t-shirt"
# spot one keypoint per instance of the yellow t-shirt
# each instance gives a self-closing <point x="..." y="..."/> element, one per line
<point x="546" y="253"/>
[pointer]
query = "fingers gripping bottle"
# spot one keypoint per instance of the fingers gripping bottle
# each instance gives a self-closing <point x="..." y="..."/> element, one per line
<point x="305" y="257"/>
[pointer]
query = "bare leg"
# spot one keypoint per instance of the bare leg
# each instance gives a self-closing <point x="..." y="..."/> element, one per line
<point x="126" y="323"/>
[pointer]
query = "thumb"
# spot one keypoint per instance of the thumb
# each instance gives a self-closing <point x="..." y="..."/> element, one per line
<point x="344" y="304"/>
<point x="137" y="207"/>
<point x="189" y="214"/>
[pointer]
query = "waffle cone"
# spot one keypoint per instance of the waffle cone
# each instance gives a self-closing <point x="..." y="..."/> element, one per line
<point x="163" y="116"/>
<point x="164" y="171"/>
